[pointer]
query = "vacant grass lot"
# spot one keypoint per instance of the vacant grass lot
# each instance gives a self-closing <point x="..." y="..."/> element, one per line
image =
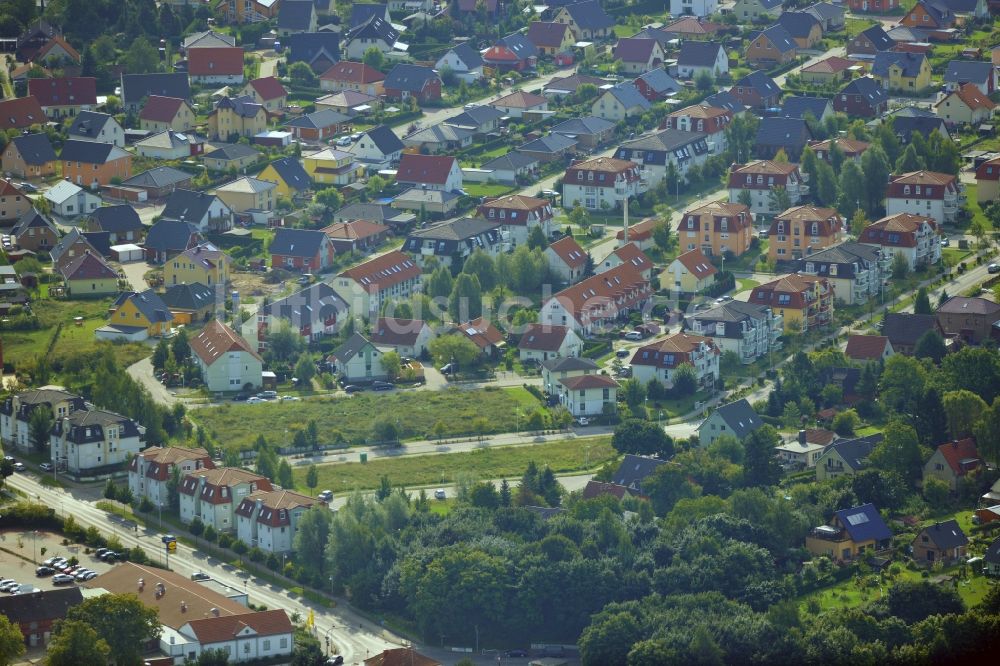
<point x="571" y="455"/>
<point x="352" y="418"/>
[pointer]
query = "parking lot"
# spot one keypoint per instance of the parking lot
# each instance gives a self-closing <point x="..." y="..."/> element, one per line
<point x="19" y="549"/>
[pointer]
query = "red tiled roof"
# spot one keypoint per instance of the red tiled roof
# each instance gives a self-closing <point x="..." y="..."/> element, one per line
<point x="21" y="112"/>
<point x="161" y="109"/>
<point x="520" y="100"/>
<point x="567" y="249"/>
<point x="629" y="253"/>
<point x="690" y="25"/>
<point x="416" y="168"/>
<point x="989" y="170"/>
<point x="407" y="656"/>
<point x="866" y="347"/>
<point x="903" y="226"/>
<point x="225" y="628"/>
<point x="66" y="91"/>
<point x="88" y="267"/>
<point x="275" y="506"/>
<point x="383" y="272"/>
<point x="8" y="189"/>
<point x="581" y="382"/>
<point x="217" y="339"/>
<point x="221" y="60"/>
<point x="673" y="351"/>
<point x="739" y="172"/>
<point x="849" y="147"/>
<point x="543" y="337"/>
<point x="697" y="264"/>
<point x="605" y="294"/>
<point x="160" y="459"/>
<point x="794" y="285"/>
<point x="973" y="97"/>
<point x="352" y="72"/>
<point x="54" y="41"/>
<point x="639" y="231"/>
<point x="396" y="332"/>
<point x="221" y="477"/>
<point x="819" y="436"/>
<point x="937" y="183"/>
<point x="597" y="488"/>
<point x="355" y="230"/>
<point x="268" y="88"/>
<point x="831" y="65"/>
<point x="829" y="221"/>
<point x="482" y="333"/>
<point x="961" y="455"/>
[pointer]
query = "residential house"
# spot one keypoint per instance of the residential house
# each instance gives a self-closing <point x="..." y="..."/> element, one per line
<point x="965" y="106"/>
<point x="870" y="42"/>
<point x="943" y="542"/>
<point x="71" y="246"/>
<point x="954" y="462"/>
<point x="89" y="441"/>
<point x="759" y="178"/>
<point x="358" y="361"/>
<point x="802" y="230"/>
<point x="93" y="126"/>
<point x="259" y="635"/>
<point x="202" y="264"/>
<point x="150" y="470"/>
<point x="863" y="97"/>
<point x="37" y="613"/>
<point x="247" y="193"/>
<point x="88" y="275"/>
<point x="319" y="50"/>
<point x="511" y="169"/>
<point x="206" y="38"/>
<point x="717" y="229"/>
<point x="21" y="113"/>
<point x="664" y="152"/>
<point x="772" y="47"/>
<point x="235" y="117"/>
<point x="429" y="172"/>
<point x="929" y="193"/>
<point x="379" y="213"/>
<point x="269" y="519"/>
<point x="562" y="86"/>
<point x="378" y="148"/>
<point x="595" y="489"/>
<point x="749" y="331"/>
<point x="362" y="12"/>
<point x="347" y="75"/>
<point x="404" y="81"/>
<point x="828" y="71"/>
<point x="13" y="202"/>
<point x="251" y="11"/>
<point x="550" y="148"/>
<point x="205" y="211"/>
<point x="166" y="113"/>
<point x="89" y="163"/>
<point x="348" y="102"/>
<point x="905" y="126"/>
<point x="620" y="102"/>
<point x="558" y="368"/>
<point x="314" y="312"/>
<point x="709" y="120"/>
<point x="482" y="120"/>
<point x="587" y="19"/>
<point x="699" y="8"/>
<point x="868" y="348"/>
<point x="16" y="409"/>
<point x="144" y="310"/>
<point x="169" y="237"/>
<point x="69" y="200"/>
<point x="803" y="106"/>
<point x="684" y="28"/>
<point x="268" y="92"/>
<point x="453" y="241"/>
<point x="64" y="97"/>
<point x="153" y="184"/>
<point x="519" y="103"/>
<point x="849" y="148"/>
<point x="656" y="85"/>
<point x="567" y="259"/>
<point x="776" y="134"/>
<point x="803" y="27"/>
<point x="637" y="55"/>
<point x="215" y="65"/>
<point x="831" y="17"/>
<point x="660" y="359"/>
<point x="539" y="343"/>
<point x="978" y="73"/>
<point x="227" y="362"/>
<point x="407" y="655"/>
<point x="851" y="535"/>
<point x="902" y="71"/>
<point x="988" y="181"/>
<point x="728" y="101"/>
<point x="290" y="178"/>
<point x="929" y="15"/>
<point x="29" y="156"/>
<point x="169" y="145"/>
<point x="137" y="87"/>
<point x="991" y="559"/>
<point x="972" y="319"/>
<point x="690" y="273"/>
<point x="856" y="271"/>
<point x="301" y="250"/>
<point x="805" y="450"/>
<point x="230" y="156"/>
<point x="804" y="301"/>
<point x="631" y="255"/>
<point x="518" y="215"/>
<point x="434" y="203"/>
<point x="440" y="138"/>
<point x="365" y="287"/>
<point x="376" y="32"/>
<point x="905" y="330"/>
<point x="757" y="10"/>
<point x="873" y="6"/>
<point x="640" y="234"/>
<point x="551" y="38"/>
<point x="319" y="126"/>
<point x="464" y="61"/>
<point x="297" y="16"/>
<point x="915" y="237"/>
<point x="696" y="58"/>
<point x="513" y="53"/>
<point x="756" y="90"/>
<point x="332" y="166"/>
<point x="410" y="338"/>
<point x="588" y="395"/>
<point x="34" y="232"/>
<point x="597" y="302"/>
<point x="214" y="494"/>
<point x="846" y="457"/>
<point x="601" y="180"/>
<point x="484" y="335"/>
<point x="191" y="303"/>
<point x="634" y="469"/>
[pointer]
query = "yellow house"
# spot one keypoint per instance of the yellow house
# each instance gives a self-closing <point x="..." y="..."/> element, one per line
<point x="240" y="116"/>
<point x="902" y="71"/>
<point x="756" y="10"/>
<point x="89" y="275"/>
<point x="690" y="273"/>
<point x="620" y="102"/>
<point x="333" y="167"/>
<point x="805" y="301"/>
<point x="248" y="193"/>
<point x="203" y="264"/>
<point x="267" y="91"/>
<point x="142" y="310"/>
<point x="289" y="175"/>
<point x="163" y="113"/>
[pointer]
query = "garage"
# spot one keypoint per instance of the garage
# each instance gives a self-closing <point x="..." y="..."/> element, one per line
<point x="127" y="253"/>
<point x="126" y="333"/>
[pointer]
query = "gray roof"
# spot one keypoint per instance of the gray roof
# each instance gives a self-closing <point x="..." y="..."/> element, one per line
<point x="319" y="119"/>
<point x="993" y="552"/>
<point x="760" y="82"/>
<point x="407" y="77"/>
<point x="799" y="106"/>
<point x="855" y="452"/>
<point x="148" y="303"/>
<point x="770" y="4"/>
<point x="35" y="148"/>
<point x="137" y="86"/>
<point x="296" y="242"/>
<point x="906" y="329"/>
<point x="119" y="219"/>
<point x="317" y="302"/>
<point x="40" y="607"/>
<point x="385" y="139"/>
<point x="476" y="116"/>
<point x="461" y="229"/>
<point x="634" y="469"/>
<point x="699" y="54"/>
<point x="308" y="47"/>
<point x="827" y="11"/>
<point x="725" y="100"/>
<point x="373" y="212"/>
<point x="570" y="363"/>
<point x="468" y="55"/>
<point x="845" y="253"/>
<point x="589" y="15"/>
<point x="731" y="314"/>
<point x="628" y="96"/>
<point x="864" y="523"/>
<point x="242" y="105"/>
<point x="158" y="177"/>
<point x="879" y="38"/>
<point x="295" y="14"/>
<point x="231" y="151"/>
<point x="91" y="152"/>
<point x="660" y="81"/>
<point x="740" y="417"/>
<point x="909" y="62"/>
<point x="550" y="143"/>
<point x="868" y="88"/>
<point x="440" y="133"/>
<point x="906" y="126"/>
<point x="664" y="140"/>
<point x="293" y="173"/>
<point x="519" y="45"/>
<point x="512" y="161"/>
<point x="583" y="126"/>
<point x="88" y="123"/>
<point x="33" y="219"/>
<point x="351" y="347"/>
<point x="779" y="36"/>
<point x="194" y="296"/>
<point x="968" y="71"/>
<point x="187" y="205"/>
<point x="946" y="535"/>
<point x="170" y="236"/>
<point x="798" y="24"/>
<point x="776" y="131"/>
<point x="363" y="12"/>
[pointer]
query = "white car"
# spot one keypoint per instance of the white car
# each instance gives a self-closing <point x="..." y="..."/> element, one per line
<point x="583" y="421"/>
<point x="633" y="335"/>
<point x="344" y="141"/>
<point x="440" y="494"/>
<point x="254" y="400"/>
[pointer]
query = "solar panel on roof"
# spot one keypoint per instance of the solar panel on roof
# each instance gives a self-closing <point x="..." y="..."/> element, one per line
<point x="857" y="518"/>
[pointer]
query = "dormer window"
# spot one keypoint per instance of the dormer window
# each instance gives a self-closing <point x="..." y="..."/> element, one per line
<point x="906" y="189"/>
<point x="815" y="229"/>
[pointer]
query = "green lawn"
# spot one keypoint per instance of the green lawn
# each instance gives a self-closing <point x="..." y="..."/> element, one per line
<point x="951" y="256"/>
<point x="575" y="455"/>
<point x="487" y="189"/>
<point x="743" y="284"/>
<point x="352" y="418"/>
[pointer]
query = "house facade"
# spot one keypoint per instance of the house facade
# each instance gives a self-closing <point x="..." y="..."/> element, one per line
<point x="690" y="273"/>
<point x="15" y="413"/>
<point x="735" y="419"/>
<point x="972" y="319"/>
<point x="268" y="519"/>
<point x="598" y="302"/>
<point x="86" y="441"/>
<point x="943" y="542"/>
<point x="314" y="312"/>
<point x="717" y="229"/>
<point x="601" y="180"/>
<point x="660" y="360"/>
<point x="927" y="193"/>
<point x="214" y="494"/>
<point x="227" y="362"/>
<point x="802" y="230"/>
<point x="358" y="360"/>
<point x="367" y="286"/>
<point x="305" y="250"/>
<point x="749" y="331"/>
<point x="915" y="237"/>
<point x="541" y="343"/>
<point x="588" y="395"/>
<point x="856" y="271"/>
<point x="759" y="178"/>
<point x="805" y="302"/>
<point x="852" y="534"/>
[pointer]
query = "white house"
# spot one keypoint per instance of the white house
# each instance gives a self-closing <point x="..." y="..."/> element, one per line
<point x="15" y="411"/>
<point x="166" y="145"/>
<point x="214" y="494"/>
<point x="464" y="61"/>
<point x="70" y="200"/>
<point x="929" y="193"/>
<point x="735" y="419"/>
<point x="601" y="182"/>
<point x="407" y="337"/>
<point x="268" y="519"/>
<point x="555" y="370"/>
<point x="227" y="362"/>
<point x="588" y="395"/>
<point x="700" y="8"/>
<point x="598" y="302"/>
<point x="314" y="312"/>
<point x="100" y="127"/>
<point x="567" y="259"/>
<point x="265" y="635"/>
<point x="749" y="331"/>
<point x="915" y="237"/>
<point x="150" y="471"/>
<point x="541" y="343"/>
<point x="430" y="172"/>
<point x="697" y="58"/>
<point x="358" y="360"/>
<point x="378" y="148"/>
<point x="94" y="440"/>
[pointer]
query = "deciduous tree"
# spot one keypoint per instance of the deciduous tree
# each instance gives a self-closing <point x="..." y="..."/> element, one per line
<point x="899" y="451"/>
<point x="11" y="641"/>
<point x="74" y="643"/>
<point x="642" y="438"/>
<point x="122" y="620"/>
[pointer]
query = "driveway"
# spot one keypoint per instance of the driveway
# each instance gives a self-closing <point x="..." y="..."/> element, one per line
<point x="142" y="372"/>
<point x="134" y="273"/>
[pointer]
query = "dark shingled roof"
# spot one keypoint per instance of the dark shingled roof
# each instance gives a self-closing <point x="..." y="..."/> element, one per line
<point x="945" y="535"/>
<point x="137" y="86"/>
<point x="855" y="452"/>
<point x="864" y="523"/>
<point x="740" y="417"/>
<point x="194" y="296"/>
<point x="117" y="219"/>
<point x="35" y="149"/>
<point x="296" y="242"/>
<point x="293" y="173"/>
<point x="634" y="469"/>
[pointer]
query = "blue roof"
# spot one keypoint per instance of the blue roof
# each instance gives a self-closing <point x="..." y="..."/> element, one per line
<point x="797" y="107"/>
<point x="864" y="523"/>
<point x="629" y="96"/>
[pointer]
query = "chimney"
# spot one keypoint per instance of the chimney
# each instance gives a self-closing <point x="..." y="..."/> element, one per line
<point x="802" y="437"/>
<point x="184" y="606"/>
<point x="215" y="612"/>
<point x="142" y="584"/>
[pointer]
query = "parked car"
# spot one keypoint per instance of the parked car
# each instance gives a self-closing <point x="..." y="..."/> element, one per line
<point x="62" y="579"/>
<point x="110" y="556"/>
<point x="356" y="136"/>
<point x="335" y="660"/>
<point x="100" y="551"/>
<point x="447" y="369"/>
<point x="241" y="397"/>
<point x="383" y="386"/>
<point x="45" y="467"/>
<point x="622" y="353"/>
<point x="945" y="242"/>
<point x="633" y="335"/>
<point x="352" y="388"/>
<point x="19" y="467"/>
<point x="254" y="400"/>
<point x="9" y="586"/>
<point x="583" y="421"/>
<point x="28" y="187"/>
<point x="326" y="495"/>
<point x="200" y="575"/>
<point x="993" y="269"/>
<point x="440" y="494"/>
<point x="49" y="562"/>
<point x="267" y="395"/>
<point x="43" y="571"/>
<point x="344" y="141"/>
<point x="516" y="654"/>
<point x="9" y="459"/>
